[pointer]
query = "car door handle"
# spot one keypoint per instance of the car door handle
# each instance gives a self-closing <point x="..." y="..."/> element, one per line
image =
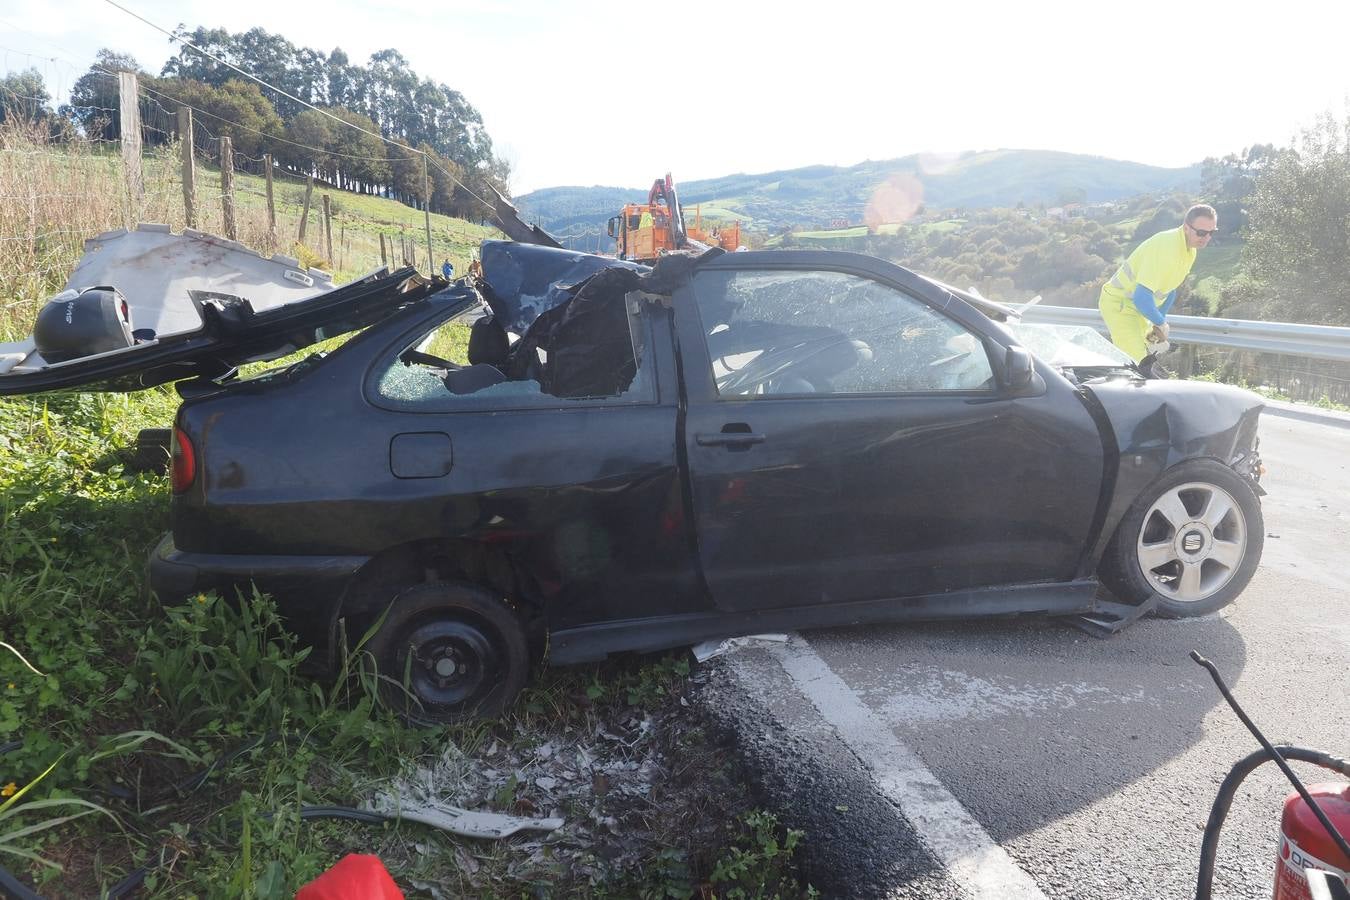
<point x="729" y="439"/>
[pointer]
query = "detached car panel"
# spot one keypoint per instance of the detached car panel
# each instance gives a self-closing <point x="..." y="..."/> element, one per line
<point x="149" y="307"/>
<point x="572" y="456"/>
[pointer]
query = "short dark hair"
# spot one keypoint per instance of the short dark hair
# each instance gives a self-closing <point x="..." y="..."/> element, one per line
<point x="1201" y="211"/>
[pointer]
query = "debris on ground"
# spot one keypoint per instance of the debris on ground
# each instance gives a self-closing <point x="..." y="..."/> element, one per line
<point x="708" y="649"/>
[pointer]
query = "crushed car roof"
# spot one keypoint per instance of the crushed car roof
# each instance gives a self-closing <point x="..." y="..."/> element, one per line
<point x="193" y="305"/>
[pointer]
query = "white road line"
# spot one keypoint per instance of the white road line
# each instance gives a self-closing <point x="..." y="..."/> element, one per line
<point x="976" y="863"/>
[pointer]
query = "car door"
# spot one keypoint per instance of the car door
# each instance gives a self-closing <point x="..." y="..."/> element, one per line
<point x="847" y="440"/>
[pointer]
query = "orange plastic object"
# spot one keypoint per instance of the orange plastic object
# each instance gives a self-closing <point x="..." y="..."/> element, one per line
<point x="357" y="876"/>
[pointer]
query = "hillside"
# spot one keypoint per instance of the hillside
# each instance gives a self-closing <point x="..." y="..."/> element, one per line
<point x="817" y="196"/>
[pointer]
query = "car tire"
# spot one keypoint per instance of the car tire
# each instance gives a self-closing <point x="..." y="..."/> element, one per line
<point x="449" y="651"/>
<point x="1193" y="539"/>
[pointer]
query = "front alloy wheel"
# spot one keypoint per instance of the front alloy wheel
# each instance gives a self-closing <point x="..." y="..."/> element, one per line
<point x="1193" y="540"/>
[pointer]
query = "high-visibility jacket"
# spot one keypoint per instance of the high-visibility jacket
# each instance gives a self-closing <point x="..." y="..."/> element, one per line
<point x="1160" y="264"/>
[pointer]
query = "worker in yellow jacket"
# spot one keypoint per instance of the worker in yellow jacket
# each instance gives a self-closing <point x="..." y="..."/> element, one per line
<point x="1136" y="300"/>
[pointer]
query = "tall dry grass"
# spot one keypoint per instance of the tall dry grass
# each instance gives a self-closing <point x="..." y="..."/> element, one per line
<point x="56" y="195"/>
<point x="52" y="198"/>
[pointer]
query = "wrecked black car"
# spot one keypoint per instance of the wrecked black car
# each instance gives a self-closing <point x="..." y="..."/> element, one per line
<point x="573" y="456"/>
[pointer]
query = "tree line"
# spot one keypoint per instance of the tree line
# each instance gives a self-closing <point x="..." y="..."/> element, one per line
<point x="414" y="115"/>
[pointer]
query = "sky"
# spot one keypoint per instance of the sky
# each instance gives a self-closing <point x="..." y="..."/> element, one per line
<point x="607" y="93"/>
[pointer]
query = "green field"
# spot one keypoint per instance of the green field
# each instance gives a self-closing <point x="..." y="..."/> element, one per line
<point x="1218" y="260"/>
<point x="720" y="211"/>
<point x="358" y="222"/>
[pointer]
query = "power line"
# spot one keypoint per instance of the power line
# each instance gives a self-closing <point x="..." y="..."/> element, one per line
<point x="61" y="51"/>
<point x="176" y="37"/>
<point x="427" y="158"/>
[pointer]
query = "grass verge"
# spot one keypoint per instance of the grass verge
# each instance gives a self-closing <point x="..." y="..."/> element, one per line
<point x="187" y="741"/>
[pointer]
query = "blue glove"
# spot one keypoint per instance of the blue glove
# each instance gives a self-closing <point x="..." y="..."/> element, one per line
<point x="1148" y="307"/>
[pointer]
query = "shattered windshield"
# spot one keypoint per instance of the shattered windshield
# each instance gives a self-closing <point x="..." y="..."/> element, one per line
<point x="1069" y="346"/>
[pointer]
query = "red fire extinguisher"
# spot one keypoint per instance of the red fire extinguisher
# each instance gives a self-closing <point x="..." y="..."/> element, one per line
<point x="1305" y="844"/>
<point x="1312" y="829"/>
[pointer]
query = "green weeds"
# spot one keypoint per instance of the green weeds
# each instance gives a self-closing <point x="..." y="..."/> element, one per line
<point x="186" y="739"/>
<point x="758" y="864"/>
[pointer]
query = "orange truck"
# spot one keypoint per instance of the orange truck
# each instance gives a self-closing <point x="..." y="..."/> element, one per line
<point x="644" y="231"/>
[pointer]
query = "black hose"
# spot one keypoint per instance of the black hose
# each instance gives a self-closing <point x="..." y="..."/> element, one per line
<point x="194" y="781"/>
<point x="1224" y="800"/>
<point x="14" y="889"/>
<point x="11" y="887"/>
<point x="1275" y="756"/>
<point x="369" y="817"/>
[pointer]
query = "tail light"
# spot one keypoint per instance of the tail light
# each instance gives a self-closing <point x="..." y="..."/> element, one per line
<point x="184" y="461"/>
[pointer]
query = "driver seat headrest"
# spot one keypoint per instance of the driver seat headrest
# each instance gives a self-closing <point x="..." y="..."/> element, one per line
<point x="488" y="343"/>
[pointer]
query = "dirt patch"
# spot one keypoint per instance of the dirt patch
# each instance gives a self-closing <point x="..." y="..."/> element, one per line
<point x="649" y="806"/>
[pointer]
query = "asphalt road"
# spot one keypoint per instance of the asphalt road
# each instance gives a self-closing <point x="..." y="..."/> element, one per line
<point x="1026" y="759"/>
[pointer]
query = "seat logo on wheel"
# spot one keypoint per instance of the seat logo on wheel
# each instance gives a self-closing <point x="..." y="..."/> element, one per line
<point x="1192" y="542"/>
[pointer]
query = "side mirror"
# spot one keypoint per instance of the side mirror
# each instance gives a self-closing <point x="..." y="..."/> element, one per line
<point x="612" y="225"/>
<point x="1018" y="369"/>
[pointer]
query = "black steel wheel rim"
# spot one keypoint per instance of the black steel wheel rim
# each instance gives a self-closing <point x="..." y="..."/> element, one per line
<point x="452" y="663"/>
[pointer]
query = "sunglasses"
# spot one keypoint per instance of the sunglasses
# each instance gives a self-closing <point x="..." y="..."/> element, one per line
<point x="1203" y="232"/>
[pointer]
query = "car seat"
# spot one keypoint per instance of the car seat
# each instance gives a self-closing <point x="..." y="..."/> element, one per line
<point x="471" y="379"/>
<point x="489" y="350"/>
<point x="488" y="343"/>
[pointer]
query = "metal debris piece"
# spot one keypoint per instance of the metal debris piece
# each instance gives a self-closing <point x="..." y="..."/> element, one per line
<point x="708" y="649"/>
<point x="155" y="269"/>
<point x="461" y="821"/>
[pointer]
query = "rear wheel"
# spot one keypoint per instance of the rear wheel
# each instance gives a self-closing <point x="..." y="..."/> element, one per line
<point x="449" y="651"/>
<point x="1193" y="539"/>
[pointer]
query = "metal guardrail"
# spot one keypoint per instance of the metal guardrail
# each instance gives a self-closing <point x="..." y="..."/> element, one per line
<point x="1288" y="338"/>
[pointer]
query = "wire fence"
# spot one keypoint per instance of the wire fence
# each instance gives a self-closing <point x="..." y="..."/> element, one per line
<point x="57" y="193"/>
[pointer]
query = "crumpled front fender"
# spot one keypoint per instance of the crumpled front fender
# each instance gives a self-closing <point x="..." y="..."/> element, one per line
<point x="1157" y="424"/>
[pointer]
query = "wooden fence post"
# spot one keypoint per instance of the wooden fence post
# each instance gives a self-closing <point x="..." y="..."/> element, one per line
<point x="271" y="203"/>
<point x="189" y="167"/>
<point x="384" y="259"/>
<point x="304" y="215"/>
<point x="426" y="211"/>
<point x="130" y="125"/>
<point x="227" y="187"/>
<point x="328" y="226"/>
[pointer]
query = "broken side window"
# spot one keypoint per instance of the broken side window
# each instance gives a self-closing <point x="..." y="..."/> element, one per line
<point x="469" y="362"/>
